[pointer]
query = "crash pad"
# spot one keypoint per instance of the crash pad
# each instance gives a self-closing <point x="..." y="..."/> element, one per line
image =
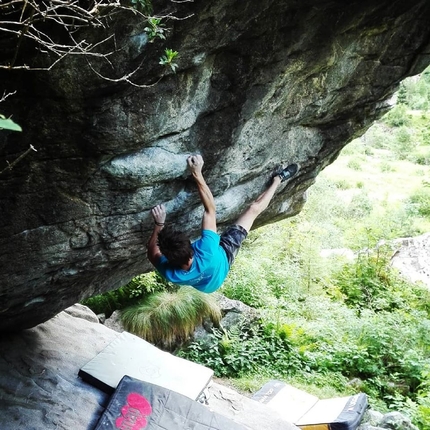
<point x="308" y="412"/>
<point x="138" y="405"/>
<point x="130" y="355"/>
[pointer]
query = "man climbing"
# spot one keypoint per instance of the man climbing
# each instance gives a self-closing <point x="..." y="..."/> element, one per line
<point x="205" y="263"/>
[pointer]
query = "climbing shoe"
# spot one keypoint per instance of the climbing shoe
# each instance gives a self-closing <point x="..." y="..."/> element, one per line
<point x="288" y="172"/>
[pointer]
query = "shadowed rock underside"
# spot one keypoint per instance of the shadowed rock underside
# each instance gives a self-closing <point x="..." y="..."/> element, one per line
<point x="258" y="84"/>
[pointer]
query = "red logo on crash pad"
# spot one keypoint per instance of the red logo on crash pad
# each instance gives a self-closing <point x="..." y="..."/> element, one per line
<point x="134" y="413"/>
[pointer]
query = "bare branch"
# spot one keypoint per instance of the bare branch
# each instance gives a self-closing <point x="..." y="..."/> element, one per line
<point x="27" y="19"/>
<point x="6" y="95"/>
<point x="125" y="78"/>
<point x="10" y="166"/>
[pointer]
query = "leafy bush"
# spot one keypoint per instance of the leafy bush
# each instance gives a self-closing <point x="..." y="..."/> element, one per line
<point x="421" y="201"/>
<point x="354" y="164"/>
<point x="403" y="144"/>
<point x="360" y="206"/>
<point x="425" y="136"/>
<point x="258" y="282"/>
<point x="241" y="351"/>
<point x="247" y="284"/>
<point x="139" y="287"/>
<point x="384" y="352"/>
<point x="343" y="184"/>
<point x="370" y="283"/>
<point x="379" y="136"/>
<point x="417" y="92"/>
<point x="397" y="116"/>
<point x="422" y="410"/>
<point x="420" y="157"/>
<point x="385" y="167"/>
<point x="106" y="303"/>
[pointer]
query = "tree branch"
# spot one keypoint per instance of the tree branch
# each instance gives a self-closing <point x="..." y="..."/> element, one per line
<point x="30" y="19"/>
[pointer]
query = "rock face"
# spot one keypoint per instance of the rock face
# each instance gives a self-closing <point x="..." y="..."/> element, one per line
<point x="391" y="420"/>
<point x="412" y="258"/>
<point x="258" y="84"/>
<point x="39" y="383"/>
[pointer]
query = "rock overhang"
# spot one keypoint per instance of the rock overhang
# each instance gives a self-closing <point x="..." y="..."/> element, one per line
<point x="255" y="87"/>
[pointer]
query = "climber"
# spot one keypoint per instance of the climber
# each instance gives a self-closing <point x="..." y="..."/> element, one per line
<point x="205" y="263"/>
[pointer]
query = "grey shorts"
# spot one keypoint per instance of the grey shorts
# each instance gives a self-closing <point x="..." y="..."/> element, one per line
<point x="231" y="240"/>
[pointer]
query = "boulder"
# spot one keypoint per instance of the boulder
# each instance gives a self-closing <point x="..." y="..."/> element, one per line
<point x="396" y="421"/>
<point x="374" y="420"/>
<point x="39" y="383"/>
<point x="412" y="258"/>
<point x="258" y="84"/>
<point x="114" y="322"/>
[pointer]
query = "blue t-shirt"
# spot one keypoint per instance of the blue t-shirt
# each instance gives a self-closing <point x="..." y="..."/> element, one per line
<point x="208" y="269"/>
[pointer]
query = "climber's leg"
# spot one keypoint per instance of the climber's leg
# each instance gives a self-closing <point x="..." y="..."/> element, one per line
<point x="231" y="240"/>
<point x="260" y="204"/>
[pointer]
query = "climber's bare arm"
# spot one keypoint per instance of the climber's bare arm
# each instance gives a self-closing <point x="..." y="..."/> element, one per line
<point x="159" y="215"/>
<point x="195" y="164"/>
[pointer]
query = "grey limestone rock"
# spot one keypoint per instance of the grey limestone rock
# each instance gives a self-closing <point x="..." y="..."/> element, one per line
<point x="368" y="426"/>
<point x="412" y="258"/>
<point x="397" y="421"/>
<point x="374" y="420"/>
<point x="114" y="322"/>
<point x="39" y="383"/>
<point x="258" y="84"/>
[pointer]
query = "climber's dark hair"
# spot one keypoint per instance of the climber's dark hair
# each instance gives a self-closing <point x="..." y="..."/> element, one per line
<point x="175" y="246"/>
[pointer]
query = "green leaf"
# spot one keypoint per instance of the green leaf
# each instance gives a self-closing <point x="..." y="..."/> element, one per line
<point x="8" y="124"/>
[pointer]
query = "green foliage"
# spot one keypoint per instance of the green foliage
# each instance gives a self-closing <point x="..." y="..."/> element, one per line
<point x="388" y="360"/>
<point x="168" y="319"/>
<point x="168" y="58"/>
<point x="425" y="135"/>
<point x="144" y="6"/>
<point x="385" y="166"/>
<point x="259" y="283"/>
<point x="420" y="200"/>
<point x="359" y="206"/>
<point x="397" y="116"/>
<point x="354" y="148"/>
<point x="422" y="411"/>
<point x="420" y="156"/>
<point x="247" y="284"/>
<point x="106" y="303"/>
<point x="148" y="283"/>
<point x="155" y="29"/>
<point x="417" y="91"/>
<point x="402" y="94"/>
<point x="139" y="287"/>
<point x="403" y="144"/>
<point x="243" y="351"/>
<point x="354" y="164"/>
<point x="343" y="184"/>
<point x="378" y="136"/>
<point x="8" y="124"/>
<point x="368" y="151"/>
<point x="370" y="283"/>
